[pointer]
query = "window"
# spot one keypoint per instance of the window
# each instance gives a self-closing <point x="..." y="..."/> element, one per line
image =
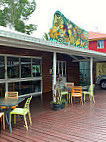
<point x="84" y="73"/>
<point x="22" y="74"/>
<point x="100" y="44"/>
<point x="36" y="67"/>
<point x="12" y="67"/>
<point x="2" y="68"/>
<point x="61" y="68"/>
<point x="25" y="67"/>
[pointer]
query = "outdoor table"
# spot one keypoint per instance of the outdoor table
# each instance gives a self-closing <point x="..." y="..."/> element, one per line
<point x="8" y="103"/>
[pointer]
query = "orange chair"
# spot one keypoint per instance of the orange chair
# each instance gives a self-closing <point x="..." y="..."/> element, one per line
<point x="76" y="92"/>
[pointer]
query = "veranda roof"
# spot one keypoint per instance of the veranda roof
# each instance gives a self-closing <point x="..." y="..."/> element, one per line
<point x="13" y="40"/>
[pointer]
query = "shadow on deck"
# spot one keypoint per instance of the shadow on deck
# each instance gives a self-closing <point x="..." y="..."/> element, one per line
<point x="76" y="123"/>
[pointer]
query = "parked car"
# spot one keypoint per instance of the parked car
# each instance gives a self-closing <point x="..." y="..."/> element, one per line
<point x="101" y="80"/>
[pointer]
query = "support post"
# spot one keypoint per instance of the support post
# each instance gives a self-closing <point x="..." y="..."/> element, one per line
<point x="6" y="83"/>
<point x="91" y="72"/>
<point x="54" y="76"/>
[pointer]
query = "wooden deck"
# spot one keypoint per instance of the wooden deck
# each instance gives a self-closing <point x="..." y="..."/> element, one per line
<point x="76" y="123"/>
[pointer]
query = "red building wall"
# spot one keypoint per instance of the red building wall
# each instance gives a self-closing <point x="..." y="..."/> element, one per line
<point x="93" y="46"/>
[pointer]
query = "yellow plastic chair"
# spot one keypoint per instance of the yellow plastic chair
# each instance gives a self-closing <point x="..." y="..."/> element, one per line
<point x="64" y="93"/>
<point x="22" y="111"/>
<point x="90" y="92"/>
<point x="2" y="117"/>
<point x="76" y="92"/>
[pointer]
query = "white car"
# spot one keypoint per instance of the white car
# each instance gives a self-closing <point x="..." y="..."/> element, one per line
<point x="101" y="80"/>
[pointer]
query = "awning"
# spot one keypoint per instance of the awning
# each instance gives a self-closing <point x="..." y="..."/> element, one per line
<point x="19" y="40"/>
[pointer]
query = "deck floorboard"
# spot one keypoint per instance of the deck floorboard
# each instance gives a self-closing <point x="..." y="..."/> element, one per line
<point x="75" y="123"/>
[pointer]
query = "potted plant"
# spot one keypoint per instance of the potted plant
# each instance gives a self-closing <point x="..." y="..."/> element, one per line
<point x="63" y="103"/>
<point x="57" y="104"/>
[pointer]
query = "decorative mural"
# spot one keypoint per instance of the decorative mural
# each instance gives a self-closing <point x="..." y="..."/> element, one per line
<point x="65" y="31"/>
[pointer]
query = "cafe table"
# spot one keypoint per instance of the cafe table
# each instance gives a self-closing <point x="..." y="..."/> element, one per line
<point x="8" y="103"/>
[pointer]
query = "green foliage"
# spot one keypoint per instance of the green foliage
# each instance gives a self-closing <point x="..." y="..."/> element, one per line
<point x="46" y="36"/>
<point x="2" y="19"/>
<point x="15" y="13"/>
<point x="63" y="101"/>
<point x="58" y="101"/>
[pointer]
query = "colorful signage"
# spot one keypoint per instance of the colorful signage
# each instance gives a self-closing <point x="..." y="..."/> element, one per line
<point x="65" y="31"/>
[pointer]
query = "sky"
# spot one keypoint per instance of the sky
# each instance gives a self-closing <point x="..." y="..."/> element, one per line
<point x="87" y="14"/>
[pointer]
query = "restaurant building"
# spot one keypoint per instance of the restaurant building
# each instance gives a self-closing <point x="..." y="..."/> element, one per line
<point x="97" y="42"/>
<point x="29" y="65"/>
<point x="26" y="63"/>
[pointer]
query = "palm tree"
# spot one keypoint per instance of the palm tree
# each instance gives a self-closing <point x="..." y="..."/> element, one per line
<point x="46" y="36"/>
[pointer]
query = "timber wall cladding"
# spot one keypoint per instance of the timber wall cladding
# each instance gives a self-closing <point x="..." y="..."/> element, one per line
<point x="47" y="61"/>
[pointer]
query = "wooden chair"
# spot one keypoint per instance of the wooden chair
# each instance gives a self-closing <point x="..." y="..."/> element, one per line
<point x="69" y="86"/>
<point x="12" y="95"/>
<point x="22" y="111"/>
<point x="76" y="92"/>
<point x="2" y="117"/>
<point x="90" y="92"/>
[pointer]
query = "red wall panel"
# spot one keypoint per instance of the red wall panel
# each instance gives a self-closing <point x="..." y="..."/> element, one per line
<point x="93" y="46"/>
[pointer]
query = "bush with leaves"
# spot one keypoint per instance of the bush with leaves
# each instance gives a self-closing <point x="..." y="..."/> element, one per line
<point x="16" y="13"/>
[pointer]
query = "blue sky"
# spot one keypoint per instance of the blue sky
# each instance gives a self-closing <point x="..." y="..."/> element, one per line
<point x="88" y="14"/>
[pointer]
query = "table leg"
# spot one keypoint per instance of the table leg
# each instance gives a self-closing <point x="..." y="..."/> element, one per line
<point x="10" y="120"/>
<point x="7" y="113"/>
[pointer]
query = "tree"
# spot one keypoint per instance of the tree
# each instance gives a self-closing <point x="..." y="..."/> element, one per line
<point x="16" y="13"/>
<point x="46" y="36"/>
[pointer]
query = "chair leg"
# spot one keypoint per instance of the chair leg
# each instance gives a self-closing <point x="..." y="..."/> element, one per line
<point x="93" y="99"/>
<point x="14" y="118"/>
<point x="71" y="100"/>
<point x="84" y="97"/>
<point x="30" y="118"/>
<point x="1" y="119"/>
<point x="3" y="122"/>
<point x="90" y="97"/>
<point x="25" y="122"/>
<point x="82" y="100"/>
<point x="69" y="97"/>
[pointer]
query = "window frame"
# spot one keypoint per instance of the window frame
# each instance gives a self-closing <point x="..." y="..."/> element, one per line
<point x="101" y="44"/>
<point x="7" y="80"/>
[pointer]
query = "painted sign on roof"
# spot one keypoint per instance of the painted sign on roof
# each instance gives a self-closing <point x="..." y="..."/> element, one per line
<point x="65" y="31"/>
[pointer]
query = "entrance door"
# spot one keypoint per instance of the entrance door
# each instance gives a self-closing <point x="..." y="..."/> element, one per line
<point x="84" y="73"/>
<point x="61" y="70"/>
